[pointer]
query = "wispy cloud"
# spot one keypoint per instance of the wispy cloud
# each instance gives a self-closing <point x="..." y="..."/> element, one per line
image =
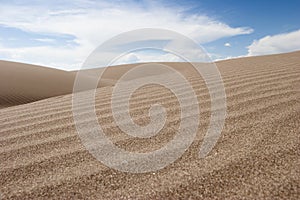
<point x="227" y="44"/>
<point x="48" y="40"/>
<point x="91" y="23"/>
<point x="280" y="43"/>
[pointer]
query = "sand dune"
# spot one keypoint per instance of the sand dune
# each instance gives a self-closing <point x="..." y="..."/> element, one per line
<point x="257" y="156"/>
<point x="23" y="83"/>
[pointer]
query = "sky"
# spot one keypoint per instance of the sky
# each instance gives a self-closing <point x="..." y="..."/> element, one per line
<point x="62" y="34"/>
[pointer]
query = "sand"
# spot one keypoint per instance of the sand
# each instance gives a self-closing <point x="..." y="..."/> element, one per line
<point x="256" y="157"/>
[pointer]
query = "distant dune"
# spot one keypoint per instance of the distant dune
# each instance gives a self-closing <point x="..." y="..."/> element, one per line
<point x="22" y="83"/>
<point x="256" y="157"/>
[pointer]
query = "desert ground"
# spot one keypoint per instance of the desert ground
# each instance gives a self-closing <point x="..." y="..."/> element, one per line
<point x="256" y="157"/>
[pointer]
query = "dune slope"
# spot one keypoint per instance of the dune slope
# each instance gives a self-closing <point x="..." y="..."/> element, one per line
<point x="22" y="83"/>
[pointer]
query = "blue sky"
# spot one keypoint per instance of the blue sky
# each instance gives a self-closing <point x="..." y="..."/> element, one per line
<point x="62" y="34"/>
<point x="264" y="17"/>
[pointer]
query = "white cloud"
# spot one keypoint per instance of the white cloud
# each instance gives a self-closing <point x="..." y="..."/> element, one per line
<point x="128" y="58"/>
<point x="45" y="40"/>
<point x="147" y="57"/>
<point x="96" y="22"/>
<point x="227" y="44"/>
<point x="44" y="55"/>
<point x="280" y="43"/>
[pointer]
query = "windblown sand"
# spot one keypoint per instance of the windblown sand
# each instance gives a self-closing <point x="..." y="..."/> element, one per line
<point x="256" y="157"/>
